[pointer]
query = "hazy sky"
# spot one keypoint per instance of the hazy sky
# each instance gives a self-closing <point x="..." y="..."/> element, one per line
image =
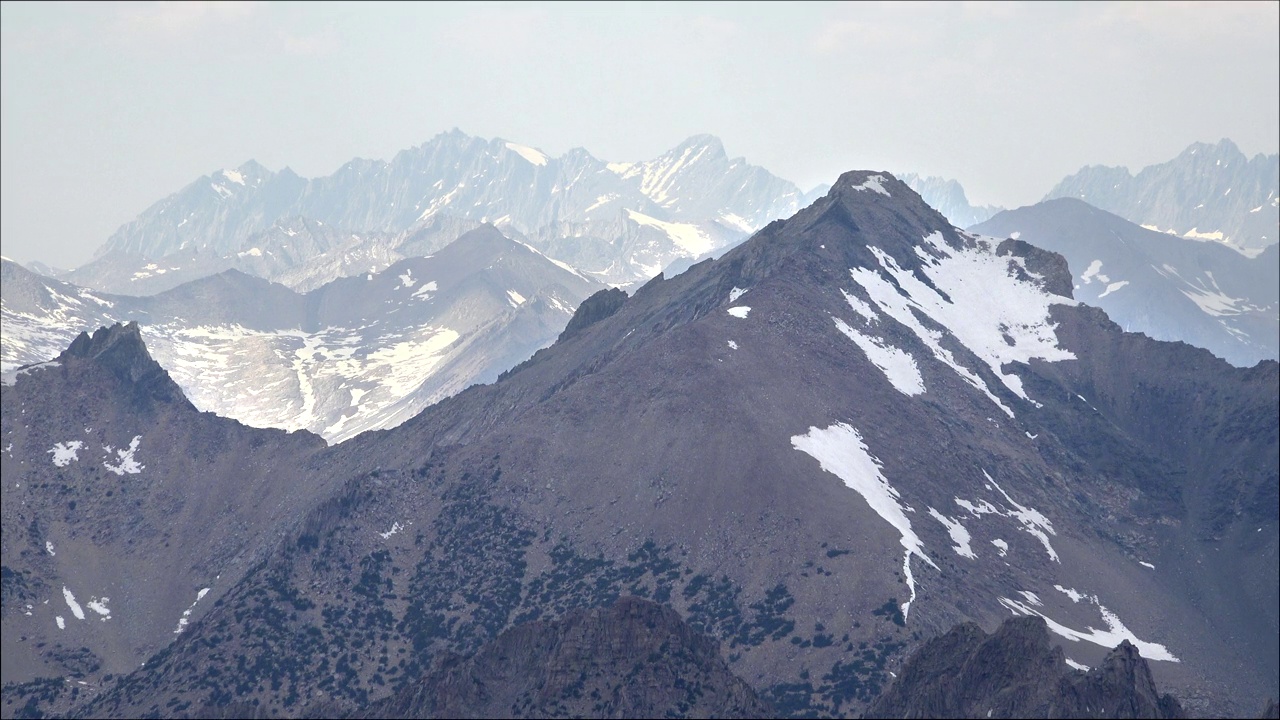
<point x="108" y="108"/>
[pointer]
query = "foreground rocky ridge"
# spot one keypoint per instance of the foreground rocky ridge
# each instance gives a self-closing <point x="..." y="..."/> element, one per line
<point x="1016" y="673"/>
<point x="733" y="443"/>
<point x="633" y="659"/>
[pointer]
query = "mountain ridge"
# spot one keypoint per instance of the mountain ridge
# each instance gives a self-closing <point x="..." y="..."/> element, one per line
<point x="838" y="438"/>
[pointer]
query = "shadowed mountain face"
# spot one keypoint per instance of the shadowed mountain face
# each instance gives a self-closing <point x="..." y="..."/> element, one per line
<point x="1209" y="192"/>
<point x="1017" y="673"/>
<point x="1168" y="287"/>
<point x="848" y="434"/>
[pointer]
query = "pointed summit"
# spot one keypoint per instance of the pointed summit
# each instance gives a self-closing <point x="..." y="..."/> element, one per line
<point x="120" y="350"/>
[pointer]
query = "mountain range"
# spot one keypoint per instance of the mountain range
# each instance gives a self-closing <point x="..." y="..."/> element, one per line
<point x="1169" y="287"/>
<point x="822" y="449"/>
<point x="1209" y="192"/>
<point x="355" y="354"/>
<point x="617" y="222"/>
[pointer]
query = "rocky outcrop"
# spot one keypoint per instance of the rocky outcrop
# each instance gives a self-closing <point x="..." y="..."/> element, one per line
<point x="1015" y="672"/>
<point x="634" y="659"/>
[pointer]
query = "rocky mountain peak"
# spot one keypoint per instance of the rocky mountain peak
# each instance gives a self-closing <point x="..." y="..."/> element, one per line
<point x="120" y="350"/>
<point x="702" y="141"/>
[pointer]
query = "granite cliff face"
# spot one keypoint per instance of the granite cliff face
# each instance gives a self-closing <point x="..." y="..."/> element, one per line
<point x="1016" y="673"/>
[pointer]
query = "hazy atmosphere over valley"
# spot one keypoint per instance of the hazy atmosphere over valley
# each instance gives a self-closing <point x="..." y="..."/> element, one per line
<point x="640" y="359"/>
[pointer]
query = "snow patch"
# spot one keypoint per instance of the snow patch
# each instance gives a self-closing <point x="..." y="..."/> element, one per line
<point x="959" y="535"/>
<point x="186" y="614"/>
<point x="426" y="290"/>
<point x="71" y="603"/>
<point x="99" y="605"/>
<point x="1110" y="637"/>
<point x="515" y="298"/>
<point x="395" y="528"/>
<point x="406" y="280"/>
<point x="839" y="450"/>
<point x="689" y="238"/>
<point x="1002" y="547"/>
<point x="533" y="156"/>
<point x="736" y="293"/>
<point x="997" y="316"/>
<point x="62" y="624"/>
<point x="873" y="183"/>
<point x="1147" y="565"/>
<point x="233" y="176"/>
<point x="740" y="311"/>
<point x="65" y="453"/>
<point x="48" y="547"/>
<point x="861" y="308"/>
<point x="1032" y="521"/>
<point x="1112" y="287"/>
<point x="126" y="464"/>
<point x="1078" y="666"/>
<point x="897" y="365"/>
<point x="733" y="345"/>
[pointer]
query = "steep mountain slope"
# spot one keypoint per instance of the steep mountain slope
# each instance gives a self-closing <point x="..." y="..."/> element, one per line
<point x="844" y="436"/>
<point x="947" y="197"/>
<point x="1168" y="287"/>
<point x="621" y="222"/>
<point x="125" y="516"/>
<point x="1209" y="192"/>
<point x="1016" y="673"/>
<point x="356" y="354"/>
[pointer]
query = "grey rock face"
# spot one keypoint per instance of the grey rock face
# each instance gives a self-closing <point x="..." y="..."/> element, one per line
<point x="1212" y="192"/>
<point x="1168" y="287"/>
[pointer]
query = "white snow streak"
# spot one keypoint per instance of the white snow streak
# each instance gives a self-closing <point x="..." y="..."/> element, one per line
<point x="186" y="614"/>
<point x="959" y="535"/>
<point x="1110" y="637"/>
<point x="897" y="365"/>
<point x="840" y="451"/>
<point x="71" y="603"/>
